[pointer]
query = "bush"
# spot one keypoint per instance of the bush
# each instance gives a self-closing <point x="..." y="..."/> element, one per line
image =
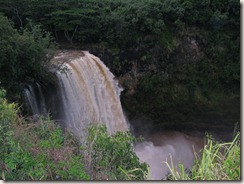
<point x="7" y="118"/>
<point x="40" y="150"/>
<point x="36" y="151"/>
<point x="110" y="157"/>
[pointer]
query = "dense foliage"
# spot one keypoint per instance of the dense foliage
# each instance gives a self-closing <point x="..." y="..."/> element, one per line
<point x="109" y="156"/>
<point x="42" y="151"/>
<point x="174" y="57"/>
<point x="120" y="21"/>
<point x="180" y="52"/>
<point x="38" y="149"/>
<point x="23" y="55"/>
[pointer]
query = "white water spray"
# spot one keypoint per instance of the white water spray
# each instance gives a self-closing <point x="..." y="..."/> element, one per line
<point x="170" y="147"/>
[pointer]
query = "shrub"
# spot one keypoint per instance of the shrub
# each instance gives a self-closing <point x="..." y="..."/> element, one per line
<point x="36" y="151"/>
<point x="110" y="157"/>
<point x="7" y="118"/>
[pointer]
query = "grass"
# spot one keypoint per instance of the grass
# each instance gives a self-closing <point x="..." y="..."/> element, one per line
<point x="218" y="161"/>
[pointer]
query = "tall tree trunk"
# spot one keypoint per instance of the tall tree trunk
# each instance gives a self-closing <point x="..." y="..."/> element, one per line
<point x="16" y="11"/>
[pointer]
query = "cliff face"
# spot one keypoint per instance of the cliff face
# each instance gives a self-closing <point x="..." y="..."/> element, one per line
<point x="177" y="85"/>
<point x="142" y="58"/>
<point x="132" y="64"/>
<point x="189" y="50"/>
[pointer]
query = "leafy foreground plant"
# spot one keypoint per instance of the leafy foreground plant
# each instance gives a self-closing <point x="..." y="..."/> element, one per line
<point x="36" y="151"/>
<point x="40" y="150"/>
<point x="111" y="157"/>
<point x="219" y="161"/>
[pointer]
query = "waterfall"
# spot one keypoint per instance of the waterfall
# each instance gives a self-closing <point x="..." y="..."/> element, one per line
<point x="89" y="93"/>
<point x="86" y="92"/>
<point x="35" y="99"/>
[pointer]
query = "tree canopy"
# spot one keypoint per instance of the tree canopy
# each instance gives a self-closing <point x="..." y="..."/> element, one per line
<point x="23" y="54"/>
<point x="187" y="42"/>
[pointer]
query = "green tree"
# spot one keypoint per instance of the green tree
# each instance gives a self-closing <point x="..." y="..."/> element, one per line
<point x="23" y="55"/>
<point x="15" y="9"/>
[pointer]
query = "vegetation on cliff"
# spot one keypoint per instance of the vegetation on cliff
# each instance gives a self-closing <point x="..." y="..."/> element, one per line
<point x="41" y="150"/>
<point x="175" y="58"/>
<point x="175" y="53"/>
<point x="24" y="57"/>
